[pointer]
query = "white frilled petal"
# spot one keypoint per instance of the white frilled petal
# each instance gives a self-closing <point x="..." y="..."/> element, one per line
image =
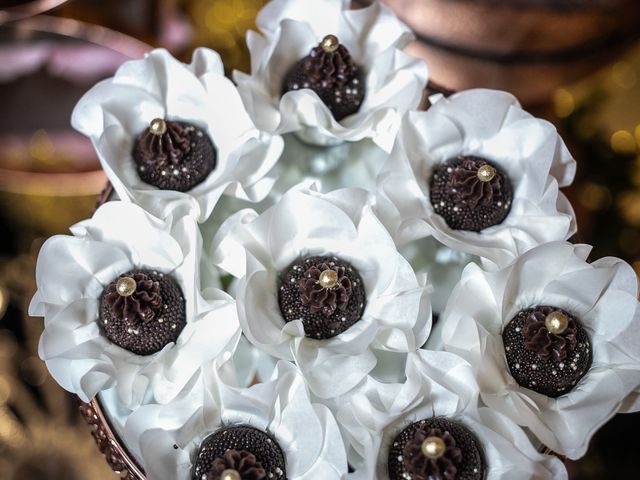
<point x="71" y="275"/>
<point x="306" y="432"/>
<point x="374" y="37"/>
<point x="602" y="295"/>
<point x="397" y="315"/>
<point x="437" y="384"/>
<point x="115" y="111"/>
<point x="492" y="125"/>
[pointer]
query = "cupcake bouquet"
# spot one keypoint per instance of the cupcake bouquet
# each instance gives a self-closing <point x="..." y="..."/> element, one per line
<point x="302" y="276"/>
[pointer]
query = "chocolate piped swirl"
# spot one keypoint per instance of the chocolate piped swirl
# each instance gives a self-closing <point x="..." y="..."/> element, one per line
<point x="333" y="75"/>
<point x="242" y="461"/>
<point x="538" y="339"/>
<point x="141" y="305"/>
<point x="173" y="155"/>
<point x="326" y="293"/>
<point x="466" y="199"/>
<point x="144" y="320"/>
<point x="470" y="189"/>
<point x="422" y="467"/>
<point x="321" y="299"/>
<point x="167" y="149"/>
<point x="331" y="69"/>
<point x="256" y="455"/>
<point x="548" y="363"/>
<point x="461" y="459"/>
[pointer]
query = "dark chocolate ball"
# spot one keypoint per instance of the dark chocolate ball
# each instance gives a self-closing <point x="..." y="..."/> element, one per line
<point x="146" y="320"/>
<point x="243" y="438"/>
<point x="545" y="362"/>
<point x="332" y="74"/>
<point x="174" y="155"/>
<point x="470" y="193"/>
<point x="327" y="303"/>
<point x="461" y="456"/>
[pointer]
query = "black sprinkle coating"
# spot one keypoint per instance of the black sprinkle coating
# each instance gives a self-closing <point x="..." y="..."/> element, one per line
<point x="151" y="337"/>
<point x="341" y="101"/>
<point x="193" y="169"/>
<point x="472" y="466"/>
<point x="545" y="375"/>
<point x="459" y="216"/>
<point x="317" y="325"/>
<point x="242" y="437"/>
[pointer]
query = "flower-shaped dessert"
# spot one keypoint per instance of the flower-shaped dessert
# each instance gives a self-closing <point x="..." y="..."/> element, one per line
<point x="123" y="307"/>
<point x="323" y="284"/>
<point x="430" y="428"/>
<point x="331" y="74"/>
<point x="479" y="174"/>
<point x="540" y="336"/>
<point x="270" y="431"/>
<point x="175" y="137"/>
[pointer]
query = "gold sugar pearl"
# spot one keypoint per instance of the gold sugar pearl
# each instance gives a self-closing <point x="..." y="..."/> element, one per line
<point x="328" y="278"/>
<point x="125" y="286"/>
<point x="330" y="43"/>
<point x="158" y="126"/>
<point x="433" y="447"/>
<point x="486" y="173"/>
<point x="556" y="322"/>
<point x="230" y="474"/>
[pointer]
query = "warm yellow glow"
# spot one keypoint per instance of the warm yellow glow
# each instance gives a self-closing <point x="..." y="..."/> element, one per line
<point x="623" y="142"/>
<point x="594" y="196"/>
<point x="624" y="75"/>
<point x="564" y="103"/>
<point x="41" y="147"/>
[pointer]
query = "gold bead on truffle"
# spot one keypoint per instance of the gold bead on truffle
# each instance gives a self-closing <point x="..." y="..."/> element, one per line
<point x="230" y="474"/>
<point x="556" y="322"/>
<point x="125" y="286"/>
<point x="328" y="278"/>
<point x="158" y="126"/>
<point x="433" y="447"/>
<point x="330" y="43"/>
<point x="486" y="173"/>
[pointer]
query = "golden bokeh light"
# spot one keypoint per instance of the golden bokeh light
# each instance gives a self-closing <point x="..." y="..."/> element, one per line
<point x="622" y="142"/>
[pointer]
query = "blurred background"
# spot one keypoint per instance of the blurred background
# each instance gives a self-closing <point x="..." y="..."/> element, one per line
<point x="574" y="62"/>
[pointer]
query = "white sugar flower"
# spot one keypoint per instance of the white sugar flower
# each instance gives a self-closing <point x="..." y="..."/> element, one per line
<point x="571" y="380"/>
<point x="439" y="387"/>
<point x="366" y="103"/>
<point x="479" y="174"/>
<point x="118" y="111"/>
<point x="118" y="281"/>
<point x="323" y="284"/>
<point x="279" y="417"/>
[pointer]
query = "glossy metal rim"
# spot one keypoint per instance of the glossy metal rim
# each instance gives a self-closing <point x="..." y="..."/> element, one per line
<point x="108" y="443"/>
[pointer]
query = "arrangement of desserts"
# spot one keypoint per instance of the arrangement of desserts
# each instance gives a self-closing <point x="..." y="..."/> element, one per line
<point x="302" y="276"/>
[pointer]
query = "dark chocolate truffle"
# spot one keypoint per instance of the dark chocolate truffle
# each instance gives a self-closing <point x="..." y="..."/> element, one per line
<point x="435" y="449"/>
<point x="329" y="71"/>
<point x="326" y="293"/>
<point x="142" y="311"/>
<point x="174" y="155"/>
<point x="547" y="350"/>
<point x="254" y="454"/>
<point x="470" y="193"/>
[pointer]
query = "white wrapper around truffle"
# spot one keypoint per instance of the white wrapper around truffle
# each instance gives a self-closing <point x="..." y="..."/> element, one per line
<point x="258" y="249"/>
<point x="169" y="437"/>
<point x="374" y="37"/>
<point x="115" y="111"/>
<point x="71" y="274"/>
<point x="602" y="295"/>
<point x="438" y="384"/>
<point x="492" y="125"/>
